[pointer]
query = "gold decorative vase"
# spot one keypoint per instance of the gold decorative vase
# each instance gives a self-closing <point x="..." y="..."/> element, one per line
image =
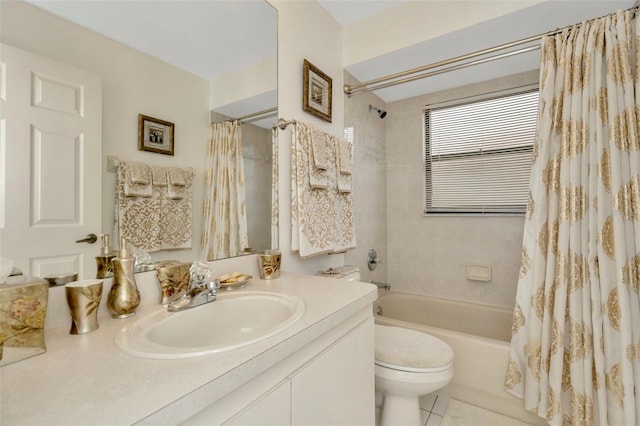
<point x="124" y="296"/>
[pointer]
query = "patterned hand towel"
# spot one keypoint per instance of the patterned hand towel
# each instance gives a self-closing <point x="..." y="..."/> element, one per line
<point x="137" y="180"/>
<point x="159" y="176"/>
<point x="344" y="156"/>
<point x="138" y="218"/>
<point x="319" y="177"/>
<point x="176" y="219"/>
<point x="176" y="183"/>
<point x="318" y="151"/>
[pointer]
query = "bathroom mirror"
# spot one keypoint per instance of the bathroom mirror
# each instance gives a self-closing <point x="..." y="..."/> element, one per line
<point x="27" y="27"/>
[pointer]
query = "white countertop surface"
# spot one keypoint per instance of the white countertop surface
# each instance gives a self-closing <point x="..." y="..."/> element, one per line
<point x="86" y="380"/>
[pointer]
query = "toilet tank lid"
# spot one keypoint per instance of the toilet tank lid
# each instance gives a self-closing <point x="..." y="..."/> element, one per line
<point x="340" y="271"/>
<point x="410" y="348"/>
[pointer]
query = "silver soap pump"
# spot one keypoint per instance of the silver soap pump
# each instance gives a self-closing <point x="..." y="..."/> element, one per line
<point x="103" y="261"/>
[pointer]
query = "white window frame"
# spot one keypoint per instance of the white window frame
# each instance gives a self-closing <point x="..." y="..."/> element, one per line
<point x="492" y="210"/>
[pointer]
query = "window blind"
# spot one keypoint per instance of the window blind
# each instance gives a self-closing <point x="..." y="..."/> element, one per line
<point x="478" y="154"/>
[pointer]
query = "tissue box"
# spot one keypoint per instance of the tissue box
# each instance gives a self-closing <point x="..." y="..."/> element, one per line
<point x="23" y="308"/>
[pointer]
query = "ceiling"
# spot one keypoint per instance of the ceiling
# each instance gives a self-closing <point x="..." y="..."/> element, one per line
<point x="182" y="33"/>
<point x="538" y="19"/>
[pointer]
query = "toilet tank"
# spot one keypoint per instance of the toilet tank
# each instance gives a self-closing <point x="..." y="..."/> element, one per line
<point x="354" y="276"/>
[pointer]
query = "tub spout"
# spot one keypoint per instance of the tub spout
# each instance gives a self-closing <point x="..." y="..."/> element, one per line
<point x="384" y="286"/>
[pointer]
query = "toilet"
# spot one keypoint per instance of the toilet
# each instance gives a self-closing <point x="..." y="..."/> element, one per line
<point x="408" y="364"/>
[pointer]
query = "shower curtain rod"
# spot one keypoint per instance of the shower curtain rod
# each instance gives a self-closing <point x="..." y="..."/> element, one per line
<point x="383" y="82"/>
<point x="259" y="115"/>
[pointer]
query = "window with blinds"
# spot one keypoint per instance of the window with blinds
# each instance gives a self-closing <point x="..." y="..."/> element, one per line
<point x="478" y="154"/>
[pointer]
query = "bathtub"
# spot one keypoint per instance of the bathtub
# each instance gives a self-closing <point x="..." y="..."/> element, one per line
<point x="479" y="336"/>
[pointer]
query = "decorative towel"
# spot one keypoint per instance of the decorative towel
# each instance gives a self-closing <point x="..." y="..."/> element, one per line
<point x="159" y="176"/>
<point x="317" y="217"/>
<point x="343" y="160"/>
<point x="138" y="174"/>
<point x="313" y="229"/>
<point x="137" y="180"/>
<point x="157" y="222"/>
<point x="319" y="177"/>
<point x="318" y="154"/>
<point x="344" y="156"/>
<point x="176" y="176"/>
<point x="176" y="183"/>
<point x="344" y="219"/>
<point x="177" y="211"/>
<point x="345" y="230"/>
<point x="137" y="218"/>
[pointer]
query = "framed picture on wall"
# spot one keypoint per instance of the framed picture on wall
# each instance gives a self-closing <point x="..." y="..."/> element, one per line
<point x="317" y="92"/>
<point x="155" y="135"/>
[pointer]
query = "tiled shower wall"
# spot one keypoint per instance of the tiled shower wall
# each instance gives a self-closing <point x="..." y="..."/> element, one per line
<point x="369" y="182"/>
<point x="429" y="254"/>
<point x="423" y="255"/>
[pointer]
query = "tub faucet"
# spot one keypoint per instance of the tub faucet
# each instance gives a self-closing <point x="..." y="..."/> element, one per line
<point x="384" y="286"/>
<point x="203" y="288"/>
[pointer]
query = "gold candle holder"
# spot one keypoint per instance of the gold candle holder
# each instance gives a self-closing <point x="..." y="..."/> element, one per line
<point x="83" y="298"/>
<point x="269" y="264"/>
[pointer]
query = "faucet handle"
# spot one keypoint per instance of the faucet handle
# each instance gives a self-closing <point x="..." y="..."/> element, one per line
<point x="201" y="272"/>
<point x="213" y="285"/>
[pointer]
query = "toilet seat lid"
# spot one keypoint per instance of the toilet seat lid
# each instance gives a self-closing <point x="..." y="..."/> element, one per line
<point x="411" y="350"/>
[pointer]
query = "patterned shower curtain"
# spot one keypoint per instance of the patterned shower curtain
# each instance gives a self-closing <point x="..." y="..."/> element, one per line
<point x="575" y="349"/>
<point x="224" y="231"/>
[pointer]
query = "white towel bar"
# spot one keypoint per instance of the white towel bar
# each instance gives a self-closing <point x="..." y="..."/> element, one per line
<point x="114" y="162"/>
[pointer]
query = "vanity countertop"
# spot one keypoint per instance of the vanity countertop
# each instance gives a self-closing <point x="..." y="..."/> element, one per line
<point x="85" y="379"/>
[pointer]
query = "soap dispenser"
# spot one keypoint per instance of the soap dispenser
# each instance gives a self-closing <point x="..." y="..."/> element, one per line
<point x="124" y="296"/>
<point x="103" y="260"/>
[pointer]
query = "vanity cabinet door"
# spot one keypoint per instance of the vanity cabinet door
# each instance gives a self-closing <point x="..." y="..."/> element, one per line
<point x="338" y="387"/>
<point x="271" y="410"/>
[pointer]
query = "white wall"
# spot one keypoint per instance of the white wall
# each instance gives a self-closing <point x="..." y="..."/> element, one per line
<point x="259" y="78"/>
<point x="305" y="31"/>
<point x="133" y="83"/>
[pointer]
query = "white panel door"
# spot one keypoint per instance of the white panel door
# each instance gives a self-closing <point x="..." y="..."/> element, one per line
<point x="50" y="168"/>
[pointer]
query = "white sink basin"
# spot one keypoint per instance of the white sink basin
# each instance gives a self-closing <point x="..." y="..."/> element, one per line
<point x="232" y="321"/>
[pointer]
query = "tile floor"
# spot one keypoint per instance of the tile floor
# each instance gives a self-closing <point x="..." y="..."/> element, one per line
<point x="440" y="410"/>
<point x="461" y="414"/>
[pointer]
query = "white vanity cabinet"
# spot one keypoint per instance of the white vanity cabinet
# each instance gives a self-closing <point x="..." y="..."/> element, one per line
<point x="318" y="371"/>
<point x="337" y="387"/>
<point x="328" y="382"/>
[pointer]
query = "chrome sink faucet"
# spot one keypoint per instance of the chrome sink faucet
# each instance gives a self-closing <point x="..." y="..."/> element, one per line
<point x="203" y="288"/>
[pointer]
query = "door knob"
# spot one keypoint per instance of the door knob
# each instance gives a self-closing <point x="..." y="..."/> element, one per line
<point x="90" y="239"/>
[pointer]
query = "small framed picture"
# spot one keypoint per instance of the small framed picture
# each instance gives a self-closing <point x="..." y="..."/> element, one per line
<point x="317" y="92"/>
<point x="155" y="135"/>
